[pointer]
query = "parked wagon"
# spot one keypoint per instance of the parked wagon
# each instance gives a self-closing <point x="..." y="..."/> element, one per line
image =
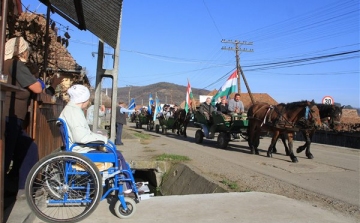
<point x="226" y="127"/>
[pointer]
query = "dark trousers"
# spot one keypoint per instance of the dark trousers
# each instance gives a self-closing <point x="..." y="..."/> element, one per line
<point x="119" y="128"/>
<point x="19" y="148"/>
<point x="121" y="161"/>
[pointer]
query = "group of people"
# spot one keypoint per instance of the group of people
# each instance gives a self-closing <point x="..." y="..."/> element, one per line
<point x="234" y="107"/>
<point x="168" y="111"/>
<point x="21" y="152"/>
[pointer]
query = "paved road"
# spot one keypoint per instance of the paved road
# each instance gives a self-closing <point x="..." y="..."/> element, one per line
<point x="333" y="172"/>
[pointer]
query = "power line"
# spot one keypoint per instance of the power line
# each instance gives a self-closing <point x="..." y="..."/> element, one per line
<point x="212" y="19"/>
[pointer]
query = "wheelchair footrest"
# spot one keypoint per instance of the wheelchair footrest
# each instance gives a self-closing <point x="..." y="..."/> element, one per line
<point x="143" y="186"/>
<point x="145" y="196"/>
<point x="143" y="189"/>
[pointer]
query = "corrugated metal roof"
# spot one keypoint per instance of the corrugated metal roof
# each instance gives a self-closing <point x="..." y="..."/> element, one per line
<point x="100" y="17"/>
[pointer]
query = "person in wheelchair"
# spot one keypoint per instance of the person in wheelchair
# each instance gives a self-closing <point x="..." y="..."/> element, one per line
<point x="78" y="128"/>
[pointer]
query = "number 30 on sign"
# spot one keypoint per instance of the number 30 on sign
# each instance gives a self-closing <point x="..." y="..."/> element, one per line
<point x="328" y="100"/>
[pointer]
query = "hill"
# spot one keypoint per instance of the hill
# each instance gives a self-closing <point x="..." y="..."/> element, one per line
<point x="167" y="93"/>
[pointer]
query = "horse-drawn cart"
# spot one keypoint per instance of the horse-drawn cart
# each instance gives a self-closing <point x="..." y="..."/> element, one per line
<point x="164" y="124"/>
<point x="226" y="126"/>
<point x="144" y="119"/>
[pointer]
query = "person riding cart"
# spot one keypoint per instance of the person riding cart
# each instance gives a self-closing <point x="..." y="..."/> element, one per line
<point x="207" y="109"/>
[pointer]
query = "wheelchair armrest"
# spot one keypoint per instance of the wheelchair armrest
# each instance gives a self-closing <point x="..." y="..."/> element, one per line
<point x="96" y="142"/>
<point x="91" y="144"/>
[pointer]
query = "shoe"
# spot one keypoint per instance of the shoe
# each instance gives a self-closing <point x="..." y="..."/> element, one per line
<point x="120" y="144"/>
<point x="128" y="191"/>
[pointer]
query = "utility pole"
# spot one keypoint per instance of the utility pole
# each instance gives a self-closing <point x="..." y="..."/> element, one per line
<point x="238" y="67"/>
<point x="129" y="92"/>
<point x="237" y="49"/>
<point x="171" y="97"/>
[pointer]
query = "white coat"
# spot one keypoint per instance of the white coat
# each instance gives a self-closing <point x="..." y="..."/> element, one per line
<point x="78" y="128"/>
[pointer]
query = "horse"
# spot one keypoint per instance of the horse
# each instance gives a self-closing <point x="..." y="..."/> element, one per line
<point x="330" y="116"/>
<point x="281" y="118"/>
<point x="182" y="119"/>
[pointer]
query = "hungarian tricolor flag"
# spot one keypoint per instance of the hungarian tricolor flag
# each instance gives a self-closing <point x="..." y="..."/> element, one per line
<point x="228" y="88"/>
<point x="189" y="97"/>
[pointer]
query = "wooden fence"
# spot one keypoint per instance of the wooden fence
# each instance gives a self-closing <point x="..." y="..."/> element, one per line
<point x="46" y="134"/>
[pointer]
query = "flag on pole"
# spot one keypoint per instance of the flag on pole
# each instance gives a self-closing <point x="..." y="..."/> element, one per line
<point x="151" y="102"/>
<point x="228" y="88"/>
<point x="131" y="106"/>
<point x="157" y="108"/>
<point x="189" y="97"/>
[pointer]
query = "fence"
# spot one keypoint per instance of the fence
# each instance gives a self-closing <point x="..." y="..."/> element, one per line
<point x="345" y="139"/>
<point x="46" y="134"/>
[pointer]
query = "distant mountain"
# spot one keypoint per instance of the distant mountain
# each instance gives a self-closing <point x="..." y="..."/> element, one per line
<point x="167" y="93"/>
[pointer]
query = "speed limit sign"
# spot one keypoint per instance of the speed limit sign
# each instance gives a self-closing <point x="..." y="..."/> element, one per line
<point x="328" y="100"/>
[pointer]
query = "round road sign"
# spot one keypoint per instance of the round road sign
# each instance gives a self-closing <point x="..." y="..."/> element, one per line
<point x="328" y="100"/>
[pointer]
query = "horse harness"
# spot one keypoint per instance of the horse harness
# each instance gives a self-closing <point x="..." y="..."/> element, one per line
<point x="282" y="122"/>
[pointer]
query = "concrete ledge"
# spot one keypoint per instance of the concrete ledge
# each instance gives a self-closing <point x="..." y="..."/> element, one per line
<point x="159" y="166"/>
<point x="182" y="180"/>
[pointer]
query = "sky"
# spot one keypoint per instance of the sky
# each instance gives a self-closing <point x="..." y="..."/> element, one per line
<point x="301" y="49"/>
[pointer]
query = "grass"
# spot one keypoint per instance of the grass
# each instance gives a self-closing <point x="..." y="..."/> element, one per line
<point x="142" y="135"/>
<point x="172" y="158"/>
<point x="231" y="184"/>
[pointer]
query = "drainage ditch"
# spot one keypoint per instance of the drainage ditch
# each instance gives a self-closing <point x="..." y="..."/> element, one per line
<point x="179" y="179"/>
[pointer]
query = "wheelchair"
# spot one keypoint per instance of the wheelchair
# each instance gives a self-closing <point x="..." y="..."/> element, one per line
<point x="67" y="186"/>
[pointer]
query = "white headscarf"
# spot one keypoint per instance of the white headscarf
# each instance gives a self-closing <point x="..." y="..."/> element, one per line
<point x="11" y="46"/>
<point x="78" y="93"/>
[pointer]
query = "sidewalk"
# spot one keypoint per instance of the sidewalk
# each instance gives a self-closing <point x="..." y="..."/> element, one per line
<point x="225" y="207"/>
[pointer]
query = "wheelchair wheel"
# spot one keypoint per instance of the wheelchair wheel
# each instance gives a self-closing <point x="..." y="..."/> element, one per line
<point x="63" y="187"/>
<point x="131" y="208"/>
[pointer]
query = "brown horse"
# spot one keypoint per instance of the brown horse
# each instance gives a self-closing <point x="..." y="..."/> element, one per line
<point x="330" y="116"/>
<point x="281" y="118"/>
<point x="181" y="121"/>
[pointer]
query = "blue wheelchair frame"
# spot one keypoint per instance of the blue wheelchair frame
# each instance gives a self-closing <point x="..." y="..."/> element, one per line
<point x="109" y="157"/>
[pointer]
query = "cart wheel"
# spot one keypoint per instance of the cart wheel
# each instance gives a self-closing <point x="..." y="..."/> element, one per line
<point x="199" y="136"/>
<point x="130" y="206"/>
<point x="63" y="187"/>
<point x="157" y="128"/>
<point x="223" y="140"/>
